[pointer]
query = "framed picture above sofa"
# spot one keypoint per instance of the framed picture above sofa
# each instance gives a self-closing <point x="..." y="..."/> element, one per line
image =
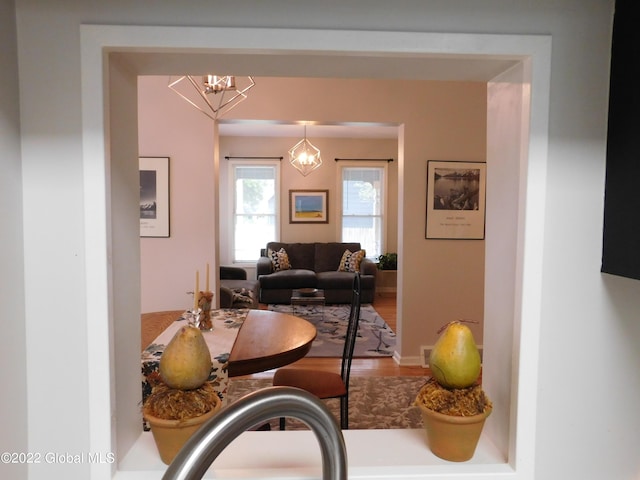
<point x="308" y="206"/>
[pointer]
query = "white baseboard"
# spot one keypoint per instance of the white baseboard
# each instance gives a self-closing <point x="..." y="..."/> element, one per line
<point x="406" y="361"/>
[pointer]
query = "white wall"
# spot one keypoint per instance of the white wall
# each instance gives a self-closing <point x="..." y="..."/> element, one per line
<point x="54" y="272"/>
<point x="13" y="355"/>
<point x="508" y="111"/>
<point x="589" y="332"/>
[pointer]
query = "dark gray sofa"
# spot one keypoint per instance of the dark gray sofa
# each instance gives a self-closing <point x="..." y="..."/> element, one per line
<point x="314" y="265"/>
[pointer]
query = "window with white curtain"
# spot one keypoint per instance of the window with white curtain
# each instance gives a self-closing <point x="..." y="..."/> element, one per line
<point x="255" y="208"/>
<point x="363" y="206"/>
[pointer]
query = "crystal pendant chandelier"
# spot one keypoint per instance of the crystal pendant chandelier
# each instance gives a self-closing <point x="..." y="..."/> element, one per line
<point x="304" y="156"/>
<point x="213" y="95"/>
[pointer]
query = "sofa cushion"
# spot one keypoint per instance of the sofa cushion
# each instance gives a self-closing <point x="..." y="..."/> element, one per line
<point x="328" y="255"/>
<point x="350" y="261"/>
<point x="335" y="280"/>
<point x="279" y="259"/>
<point x="300" y="254"/>
<point x="289" y="279"/>
<point x="343" y="281"/>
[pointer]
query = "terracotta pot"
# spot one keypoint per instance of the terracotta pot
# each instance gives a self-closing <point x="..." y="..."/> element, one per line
<point x="453" y="438"/>
<point x="171" y="435"/>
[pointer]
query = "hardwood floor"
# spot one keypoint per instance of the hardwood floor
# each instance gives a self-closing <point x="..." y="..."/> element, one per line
<point x="385" y="305"/>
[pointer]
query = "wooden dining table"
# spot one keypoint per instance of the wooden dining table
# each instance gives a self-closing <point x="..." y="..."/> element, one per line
<point x="268" y="340"/>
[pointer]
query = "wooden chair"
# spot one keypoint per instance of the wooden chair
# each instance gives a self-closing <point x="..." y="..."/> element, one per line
<point x="328" y="384"/>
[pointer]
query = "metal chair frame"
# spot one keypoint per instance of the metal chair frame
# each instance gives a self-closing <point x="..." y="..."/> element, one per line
<point x="347" y="353"/>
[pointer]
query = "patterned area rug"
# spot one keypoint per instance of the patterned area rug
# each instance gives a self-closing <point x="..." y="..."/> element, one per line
<point x="375" y="338"/>
<point x="374" y="402"/>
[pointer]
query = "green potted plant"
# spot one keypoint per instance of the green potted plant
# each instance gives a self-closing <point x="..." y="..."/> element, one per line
<point x="182" y="399"/>
<point x="388" y="261"/>
<point x="452" y="402"/>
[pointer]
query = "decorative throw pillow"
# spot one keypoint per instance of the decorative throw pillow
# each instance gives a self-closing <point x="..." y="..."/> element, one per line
<point x="279" y="260"/>
<point x="350" y="261"/>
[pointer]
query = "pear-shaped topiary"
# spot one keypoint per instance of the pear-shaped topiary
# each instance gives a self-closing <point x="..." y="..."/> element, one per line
<point x="455" y="359"/>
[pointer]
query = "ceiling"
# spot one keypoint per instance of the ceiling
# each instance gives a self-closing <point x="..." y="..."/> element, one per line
<point x="414" y="67"/>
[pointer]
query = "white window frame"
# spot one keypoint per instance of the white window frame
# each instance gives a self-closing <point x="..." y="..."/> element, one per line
<point x="385" y="192"/>
<point x="233" y="164"/>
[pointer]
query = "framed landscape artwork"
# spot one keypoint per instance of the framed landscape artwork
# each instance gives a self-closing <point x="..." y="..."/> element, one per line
<point x="154" y="196"/>
<point x="455" y="200"/>
<point x="308" y="206"/>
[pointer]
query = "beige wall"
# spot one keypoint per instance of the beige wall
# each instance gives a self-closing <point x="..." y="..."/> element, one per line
<point x="168" y="127"/>
<point x="326" y="177"/>
<point x="447" y="121"/>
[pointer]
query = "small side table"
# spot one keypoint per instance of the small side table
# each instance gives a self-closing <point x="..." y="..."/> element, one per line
<point x="304" y="300"/>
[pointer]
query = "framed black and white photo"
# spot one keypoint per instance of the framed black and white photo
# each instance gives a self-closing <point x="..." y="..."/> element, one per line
<point x="455" y="200"/>
<point x="154" y="196"/>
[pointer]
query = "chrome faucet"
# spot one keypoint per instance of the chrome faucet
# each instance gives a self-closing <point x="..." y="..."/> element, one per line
<point x="210" y="440"/>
